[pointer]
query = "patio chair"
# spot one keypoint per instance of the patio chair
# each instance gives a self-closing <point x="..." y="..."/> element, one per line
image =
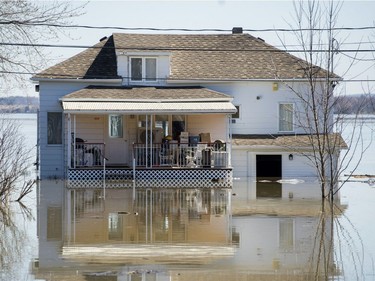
<point x="198" y="153"/>
<point x="166" y="155"/>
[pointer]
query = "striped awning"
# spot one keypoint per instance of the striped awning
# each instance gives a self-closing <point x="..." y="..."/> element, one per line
<point x="149" y="107"/>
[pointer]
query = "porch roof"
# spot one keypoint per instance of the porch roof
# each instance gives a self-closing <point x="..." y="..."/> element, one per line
<point x="141" y="100"/>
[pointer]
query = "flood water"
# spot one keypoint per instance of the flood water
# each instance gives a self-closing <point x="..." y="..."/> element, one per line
<point x="254" y="231"/>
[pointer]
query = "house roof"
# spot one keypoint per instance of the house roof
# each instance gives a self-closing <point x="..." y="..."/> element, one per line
<point x="286" y="141"/>
<point x="97" y="62"/>
<point x="193" y="56"/>
<point x="141" y="100"/>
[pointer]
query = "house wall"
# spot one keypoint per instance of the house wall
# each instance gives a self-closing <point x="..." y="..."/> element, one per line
<point x="259" y="114"/>
<point x="91" y="128"/>
<point x="244" y="163"/>
<point x="259" y="105"/>
<point x="52" y="157"/>
<point x="215" y="124"/>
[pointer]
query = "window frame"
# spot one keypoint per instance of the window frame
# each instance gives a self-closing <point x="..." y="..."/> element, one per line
<point x="286" y="122"/>
<point x="118" y="136"/>
<point x="144" y="77"/>
<point x="237" y="115"/>
<point x="56" y="127"/>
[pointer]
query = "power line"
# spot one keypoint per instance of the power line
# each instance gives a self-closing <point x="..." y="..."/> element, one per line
<point x="360" y="28"/>
<point x="271" y="49"/>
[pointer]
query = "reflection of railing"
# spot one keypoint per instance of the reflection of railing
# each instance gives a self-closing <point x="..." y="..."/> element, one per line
<point x="206" y="155"/>
<point x="88" y="154"/>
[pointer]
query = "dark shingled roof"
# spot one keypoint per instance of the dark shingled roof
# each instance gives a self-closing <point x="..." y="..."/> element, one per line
<point x="193" y="56"/>
<point x="152" y="93"/>
<point x="287" y="141"/>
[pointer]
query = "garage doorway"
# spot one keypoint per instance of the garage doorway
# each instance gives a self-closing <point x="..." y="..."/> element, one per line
<point x="268" y="166"/>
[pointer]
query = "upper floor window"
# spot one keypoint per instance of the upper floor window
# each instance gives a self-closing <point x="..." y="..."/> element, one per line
<point x="142" y="69"/>
<point x="286" y="117"/>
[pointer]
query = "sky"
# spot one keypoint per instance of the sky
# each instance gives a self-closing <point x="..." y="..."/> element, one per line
<point x="225" y="14"/>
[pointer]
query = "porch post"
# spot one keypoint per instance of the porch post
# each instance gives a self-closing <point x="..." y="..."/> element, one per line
<point x="69" y="144"/>
<point x="229" y="134"/>
<point x="146" y="140"/>
<point x="151" y="141"/>
<point x="74" y="141"/>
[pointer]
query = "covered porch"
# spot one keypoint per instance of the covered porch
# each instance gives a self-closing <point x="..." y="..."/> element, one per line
<point x="127" y="134"/>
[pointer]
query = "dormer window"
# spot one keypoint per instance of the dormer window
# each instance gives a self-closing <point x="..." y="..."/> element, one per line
<point x="142" y="69"/>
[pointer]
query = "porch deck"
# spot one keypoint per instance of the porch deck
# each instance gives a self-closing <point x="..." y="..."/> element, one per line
<point x="156" y="177"/>
<point x="172" y="165"/>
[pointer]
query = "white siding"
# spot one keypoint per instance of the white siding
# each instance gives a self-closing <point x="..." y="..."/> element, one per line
<point x="214" y="124"/>
<point x="259" y="105"/>
<point x="91" y="128"/>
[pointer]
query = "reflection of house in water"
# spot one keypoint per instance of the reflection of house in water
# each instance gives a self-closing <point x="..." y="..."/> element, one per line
<point x="82" y="231"/>
<point x="181" y="234"/>
<point x="156" y="216"/>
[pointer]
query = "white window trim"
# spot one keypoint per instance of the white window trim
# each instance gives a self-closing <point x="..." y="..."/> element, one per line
<point x="109" y="127"/>
<point x="143" y="69"/>
<point x="278" y="117"/>
<point x="239" y="112"/>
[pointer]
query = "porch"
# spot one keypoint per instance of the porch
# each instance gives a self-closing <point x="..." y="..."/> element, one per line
<point x="134" y="135"/>
<point x="159" y="165"/>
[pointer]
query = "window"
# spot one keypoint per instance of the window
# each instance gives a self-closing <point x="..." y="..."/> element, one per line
<point x="178" y="125"/>
<point x="161" y="121"/>
<point x="115" y="126"/>
<point x="143" y="69"/>
<point x="54" y="128"/>
<point x="237" y="114"/>
<point x="286" y="112"/>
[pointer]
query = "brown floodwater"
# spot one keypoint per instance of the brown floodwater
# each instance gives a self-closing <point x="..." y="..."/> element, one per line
<point x="254" y="231"/>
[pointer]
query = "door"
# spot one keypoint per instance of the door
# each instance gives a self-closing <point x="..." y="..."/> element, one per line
<point x="268" y="166"/>
<point x="116" y="146"/>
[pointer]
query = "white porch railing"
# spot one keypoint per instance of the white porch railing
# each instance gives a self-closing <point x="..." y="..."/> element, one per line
<point x="201" y="155"/>
<point x="88" y="154"/>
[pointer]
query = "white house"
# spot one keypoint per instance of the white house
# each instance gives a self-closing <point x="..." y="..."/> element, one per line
<point x="183" y="107"/>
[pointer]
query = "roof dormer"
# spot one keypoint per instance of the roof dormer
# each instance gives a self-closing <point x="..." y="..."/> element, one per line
<point x="143" y="68"/>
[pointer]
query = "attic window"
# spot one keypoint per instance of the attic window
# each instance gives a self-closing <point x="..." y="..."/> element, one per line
<point x="142" y="69"/>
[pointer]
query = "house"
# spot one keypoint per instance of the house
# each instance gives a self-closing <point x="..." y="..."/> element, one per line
<point x="199" y="108"/>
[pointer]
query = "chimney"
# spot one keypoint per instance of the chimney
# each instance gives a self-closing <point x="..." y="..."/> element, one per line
<point x="237" y="30"/>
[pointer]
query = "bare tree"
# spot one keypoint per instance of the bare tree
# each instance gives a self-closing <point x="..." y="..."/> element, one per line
<point x="317" y="113"/>
<point x="23" y="25"/>
<point x="15" y="162"/>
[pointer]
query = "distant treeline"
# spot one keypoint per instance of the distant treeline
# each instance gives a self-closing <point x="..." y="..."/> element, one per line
<point x="352" y="104"/>
<point x="19" y="104"/>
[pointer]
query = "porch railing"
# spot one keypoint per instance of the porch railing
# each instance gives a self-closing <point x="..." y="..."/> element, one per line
<point x="88" y="154"/>
<point x="201" y="155"/>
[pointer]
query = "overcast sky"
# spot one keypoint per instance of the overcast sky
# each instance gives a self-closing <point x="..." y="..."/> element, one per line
<point x="225" y="14"/>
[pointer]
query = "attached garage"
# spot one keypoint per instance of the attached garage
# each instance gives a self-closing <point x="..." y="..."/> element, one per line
<point x="273" y="156"/>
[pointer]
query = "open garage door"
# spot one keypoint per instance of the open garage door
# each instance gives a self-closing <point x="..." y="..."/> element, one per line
<point x="268" y="166"/>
